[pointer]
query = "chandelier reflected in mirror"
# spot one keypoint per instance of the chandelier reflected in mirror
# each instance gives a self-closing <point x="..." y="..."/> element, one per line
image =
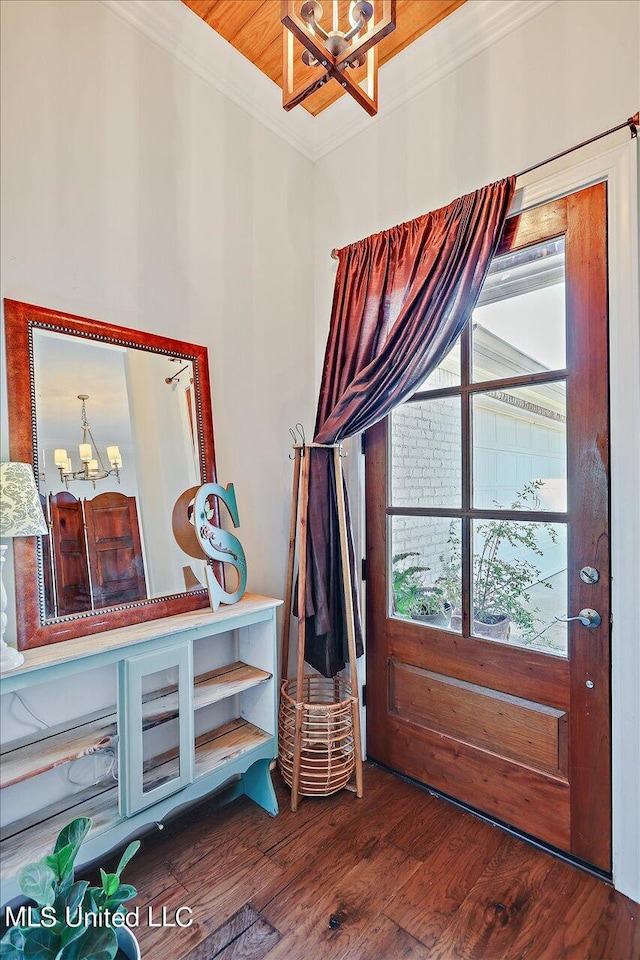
<point x="334" y="48"/>
<point x="93" y="467"/>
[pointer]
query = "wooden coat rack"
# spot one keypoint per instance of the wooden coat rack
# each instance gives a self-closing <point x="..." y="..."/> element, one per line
<point x="304" y="726"/>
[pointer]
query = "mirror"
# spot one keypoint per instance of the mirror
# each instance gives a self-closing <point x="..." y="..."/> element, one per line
<point x="117" y="424"/>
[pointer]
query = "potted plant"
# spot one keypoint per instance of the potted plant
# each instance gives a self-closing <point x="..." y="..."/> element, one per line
<point x="500" y="583"/>
<point x="67" y="921"/>
<point x="411" y="598"/>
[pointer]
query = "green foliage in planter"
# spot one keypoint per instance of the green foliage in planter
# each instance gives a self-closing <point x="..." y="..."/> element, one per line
<point x="410" y="596"/>
<point x="59" y="897"/>
<point x="500" y="584"/>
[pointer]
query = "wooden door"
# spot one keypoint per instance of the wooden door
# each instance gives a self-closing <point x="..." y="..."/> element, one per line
<point x="115" y="550"/>
<point x="73" y="594"/>
<point x="487" y="518"/>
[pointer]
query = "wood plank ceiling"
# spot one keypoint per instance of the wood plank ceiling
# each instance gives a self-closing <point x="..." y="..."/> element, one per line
<point x="253" y="27"/>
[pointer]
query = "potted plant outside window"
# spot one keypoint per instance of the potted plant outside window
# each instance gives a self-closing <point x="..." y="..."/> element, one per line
<point x="412" y="598"/>
<point x="500" y="582"/>
<point x="66" y="923"/>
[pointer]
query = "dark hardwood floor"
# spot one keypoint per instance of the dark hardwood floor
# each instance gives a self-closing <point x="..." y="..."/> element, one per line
<point x="398" y="874"/>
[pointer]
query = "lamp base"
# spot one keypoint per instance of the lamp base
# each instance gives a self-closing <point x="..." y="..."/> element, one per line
<point x="10" y="658"/>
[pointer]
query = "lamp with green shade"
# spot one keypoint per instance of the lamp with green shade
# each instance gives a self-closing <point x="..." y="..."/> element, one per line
<point x="20" y="516"/>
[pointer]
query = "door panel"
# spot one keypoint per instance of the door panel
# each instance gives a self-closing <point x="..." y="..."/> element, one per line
<point x="500" y="787"/>
<point x="73" y="592"/>
<point x="516" y="728"/>
<point x="115" y="550"/>
<point x="487" y="492"/>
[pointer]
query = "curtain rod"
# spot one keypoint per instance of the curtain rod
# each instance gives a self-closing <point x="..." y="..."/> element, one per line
<point x="633" y="123"/>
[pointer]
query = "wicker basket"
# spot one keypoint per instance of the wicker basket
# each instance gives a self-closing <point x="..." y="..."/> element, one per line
<point x="327" y="756"/>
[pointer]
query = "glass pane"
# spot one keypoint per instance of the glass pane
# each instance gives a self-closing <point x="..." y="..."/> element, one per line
<point x="447" y="373"/>
<point x="160" y="728"/>
<point x="426" y="465"/>
<point x="520" y="583"/>
<point x="519" y="325"/>
<point x="520" y="448"/>
<point x="425" y="572"/>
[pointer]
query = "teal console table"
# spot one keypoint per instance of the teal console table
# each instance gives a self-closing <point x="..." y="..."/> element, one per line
<point x="194" y="705"/>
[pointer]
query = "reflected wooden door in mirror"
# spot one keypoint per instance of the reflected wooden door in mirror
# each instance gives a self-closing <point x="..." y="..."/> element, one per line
<point x="117" y="424"/>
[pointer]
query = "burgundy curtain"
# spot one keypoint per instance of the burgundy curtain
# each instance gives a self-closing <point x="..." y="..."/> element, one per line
<point x="401" y="300"/>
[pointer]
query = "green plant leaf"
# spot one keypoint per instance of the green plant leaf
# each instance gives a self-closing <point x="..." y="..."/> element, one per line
<point x="12" y="944"/>
<point x="66" y="859"/>
<point x="73" y="833"/>
<point x="89" y="904"/>
<point x="130" y="852"/>
<point x="124" y="892"/>
<point x="110" y="882"/>
<point x="68" y="904"/>
<point x="40" y="944"/>
<point x="68" y="844"/>
<point x="96" y="943"/>
<point x="38" y="882"/>
<point x="69" y="934"/>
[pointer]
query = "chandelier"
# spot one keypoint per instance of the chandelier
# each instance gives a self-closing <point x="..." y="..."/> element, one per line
<point x="336" y="52"/>
<point x="92" y="468"/>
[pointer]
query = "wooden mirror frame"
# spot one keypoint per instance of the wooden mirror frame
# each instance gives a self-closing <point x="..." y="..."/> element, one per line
<point x="20" y="320"/>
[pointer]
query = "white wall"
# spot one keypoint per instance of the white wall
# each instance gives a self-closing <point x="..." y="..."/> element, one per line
<point x="134" y="193"/>
<point x="566" y="75"/>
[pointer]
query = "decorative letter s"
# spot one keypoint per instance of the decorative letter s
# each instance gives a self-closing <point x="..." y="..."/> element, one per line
<point x="218" y="544"/>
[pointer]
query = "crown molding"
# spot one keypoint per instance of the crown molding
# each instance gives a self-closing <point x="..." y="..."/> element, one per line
<point x="462" y="35"/>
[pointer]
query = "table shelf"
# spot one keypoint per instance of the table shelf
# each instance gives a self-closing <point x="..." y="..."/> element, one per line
<point x="17" y="850"/>
<point x="32" y="759"/>
<point x="208" y="688"/>
<point x="213" y="749"/>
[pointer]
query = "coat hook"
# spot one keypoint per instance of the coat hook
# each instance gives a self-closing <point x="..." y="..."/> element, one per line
<point x="300" y="430"/>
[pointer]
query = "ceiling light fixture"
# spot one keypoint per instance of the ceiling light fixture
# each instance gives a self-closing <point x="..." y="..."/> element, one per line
<point x="335" y="52"/>
<point x="92" y="467"/>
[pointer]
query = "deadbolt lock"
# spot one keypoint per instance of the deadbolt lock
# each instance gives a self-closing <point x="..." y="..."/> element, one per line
<point x="589" y="575"/>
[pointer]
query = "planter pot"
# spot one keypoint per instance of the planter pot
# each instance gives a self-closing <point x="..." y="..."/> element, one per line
<point x="128" y="947"/>
<point x="489" y="631"/>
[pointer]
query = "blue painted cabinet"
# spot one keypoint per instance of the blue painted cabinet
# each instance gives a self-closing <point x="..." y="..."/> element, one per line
<point x="196" y="708"/>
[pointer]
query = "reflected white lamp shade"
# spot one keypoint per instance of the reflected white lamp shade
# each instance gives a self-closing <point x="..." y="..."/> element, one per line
<point x="20" y="516"/>
<point x="114" y="457"/>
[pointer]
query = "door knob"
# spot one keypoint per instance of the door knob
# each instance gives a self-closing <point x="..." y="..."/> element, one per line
<point x="587" y="617"/>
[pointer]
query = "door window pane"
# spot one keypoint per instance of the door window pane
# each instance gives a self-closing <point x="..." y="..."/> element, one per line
<point x="426" y="466"/>
<point x="520" y="448"/>
<point x="519" y="324"/>
<point x="425" y="574"/>
<point x="520" y="583"/>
